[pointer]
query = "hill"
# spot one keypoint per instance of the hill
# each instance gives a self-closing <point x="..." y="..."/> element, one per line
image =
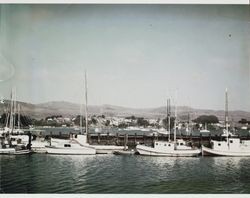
<point x="68" y="109"/>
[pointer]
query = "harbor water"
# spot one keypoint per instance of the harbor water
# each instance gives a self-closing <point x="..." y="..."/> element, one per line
<point x="43" y="173"/>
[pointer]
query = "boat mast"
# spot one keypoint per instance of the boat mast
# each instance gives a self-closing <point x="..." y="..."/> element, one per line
<point x="11" y="112"/>
<point x="86" y="107"/>
<point x="226" y="113"/>
<point x="169" y="114"/>
<point x="80" y="123"/>
<point x="18" y="121"/>
<point x="175" y="118"/>
<point x="14" y="109"/>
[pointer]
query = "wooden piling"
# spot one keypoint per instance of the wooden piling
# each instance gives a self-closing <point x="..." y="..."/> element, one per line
<point x="99" y="138"/>
<point x="107" y="138"/>
<point x="117" y="139"/>
<point x="200" y="140"/>
<point x="125" y="140"/>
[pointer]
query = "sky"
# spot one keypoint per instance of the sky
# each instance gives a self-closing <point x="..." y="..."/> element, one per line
<point x="135" y="55"/>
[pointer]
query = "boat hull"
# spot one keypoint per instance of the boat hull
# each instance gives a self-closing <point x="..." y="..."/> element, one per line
<point x="73" y="151"/>
<point x="22" y="152"/>
<point x="12" y="151"/>
<point x="149" y="151"/>
<point x="107" y="149"/>
<point x="124" y="152"/>
<point x="208" y="151"/>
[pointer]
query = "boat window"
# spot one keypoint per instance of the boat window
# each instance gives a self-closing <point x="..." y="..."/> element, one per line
<point x="67" y="145"/>
<point x="156" y="143"/>
<point x="75" y="136"/>
<point x="219" y="144"/>
<point x="181" y="143"/>
<point x="169" y="145"/>
<point x="231" y="141"/>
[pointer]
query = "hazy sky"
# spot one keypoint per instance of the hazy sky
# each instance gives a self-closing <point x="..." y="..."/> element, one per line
<point x="135" y="55"/>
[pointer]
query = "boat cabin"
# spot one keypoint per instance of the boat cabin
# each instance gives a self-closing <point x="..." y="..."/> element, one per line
<point x="233" y="144"/>
<point x="179" y="145"/>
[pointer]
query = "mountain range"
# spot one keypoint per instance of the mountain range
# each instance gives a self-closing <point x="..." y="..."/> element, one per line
<point x="68" y="109"/>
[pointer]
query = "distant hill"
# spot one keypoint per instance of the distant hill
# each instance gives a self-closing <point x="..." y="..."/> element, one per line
<point x="68" y="109"/>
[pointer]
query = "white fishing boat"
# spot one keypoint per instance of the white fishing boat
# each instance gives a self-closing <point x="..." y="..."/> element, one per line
<point x="100" y="149"/>
<point x="12" y="139"/>
<point x="230" y="146"/>
<point x="70" y="147"/>
<point x="170" y="149"/>
<point x="176" y="148"/>
<point x="78" y="144"/>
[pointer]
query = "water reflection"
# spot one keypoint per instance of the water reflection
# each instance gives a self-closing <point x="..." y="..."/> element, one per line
<point x="124" y="174"/>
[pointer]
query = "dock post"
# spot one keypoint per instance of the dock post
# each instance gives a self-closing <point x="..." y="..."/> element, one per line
<point x="153" y="140"/>
<point x="125" y="141"/>
<point x="107" y="138"/>
<point x="209" y="143"/>
<point x="60" y="134"/>
<point x="89" y="138"/>
<point x="99" y="138"/>
<point x="144" y="138"/>
<point x="117" y="139"/>
<point x="29" y="144"/>
<point x="50" y="133"/>
<point x="135" y="139"/>
<point x="200" y="141"/>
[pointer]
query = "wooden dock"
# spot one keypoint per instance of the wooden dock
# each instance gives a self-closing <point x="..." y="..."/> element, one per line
<point x="132" y="140"/>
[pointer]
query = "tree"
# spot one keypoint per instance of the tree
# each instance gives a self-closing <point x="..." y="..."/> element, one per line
<point x="142" y="122"/>
<point x="93" y="121"/>
<point x="77" y="120"/>
<point x="131" y="117"/>
<point x="107" y="123"/>
<point x="243" y="121"/>
<point x="206" y="119"/>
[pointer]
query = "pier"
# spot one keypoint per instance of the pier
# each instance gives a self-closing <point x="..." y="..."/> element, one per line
<point x="131" y="140"/>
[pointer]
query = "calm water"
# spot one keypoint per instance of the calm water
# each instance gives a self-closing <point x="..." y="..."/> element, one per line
<point x="41" y="173"/>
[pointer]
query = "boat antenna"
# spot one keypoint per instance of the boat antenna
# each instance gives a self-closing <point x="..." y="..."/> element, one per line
<point x="86" y="106"/>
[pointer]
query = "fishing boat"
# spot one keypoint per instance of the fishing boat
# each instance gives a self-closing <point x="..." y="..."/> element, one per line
<point x="230" y="145"/>
<point x="100" y="149"/>
<point x="11" y="141"/>
<point x="70" y="147"/>
<point x="176" y="148"/>
<point x="78" y="144"/>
